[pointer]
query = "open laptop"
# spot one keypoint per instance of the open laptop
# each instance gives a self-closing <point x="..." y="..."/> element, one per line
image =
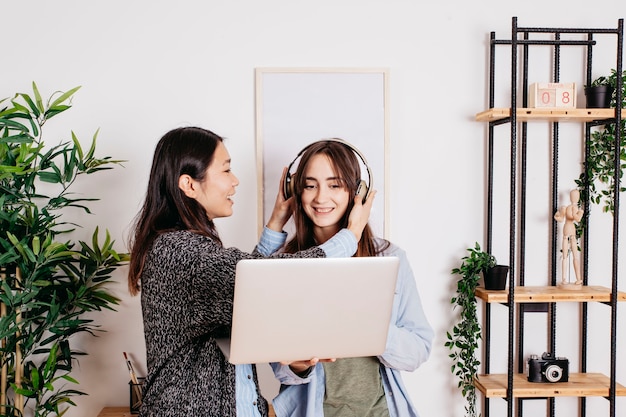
<point x="296" y="309"/>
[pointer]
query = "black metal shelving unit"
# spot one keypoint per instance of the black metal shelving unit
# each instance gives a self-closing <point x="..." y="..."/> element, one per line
<point x="517" y="116"/>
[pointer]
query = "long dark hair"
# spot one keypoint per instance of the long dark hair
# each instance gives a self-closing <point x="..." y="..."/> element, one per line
<point x="346" y="167"/>
<point x="185" y="150"/>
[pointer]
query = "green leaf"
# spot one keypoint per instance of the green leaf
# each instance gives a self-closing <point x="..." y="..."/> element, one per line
<point x="63" y="97"/>
<point x="50" y="177"/>
<point x="36" y="245"/>
<point x="38" y="99"/>
<point x="32" y="106"/>
<point x="78" y="148"/>
<point x="34" y="377"/>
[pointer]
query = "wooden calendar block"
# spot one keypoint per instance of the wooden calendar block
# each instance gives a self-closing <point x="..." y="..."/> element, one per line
<point x="559" y="95"/>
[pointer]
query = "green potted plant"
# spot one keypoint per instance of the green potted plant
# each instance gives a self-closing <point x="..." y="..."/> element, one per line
<point x="48" y="282"/>
<point x="599" y="169"/>
<point x="463" y="339"/>
<point x="599" y="92"/>
<point x="495" y="277"/>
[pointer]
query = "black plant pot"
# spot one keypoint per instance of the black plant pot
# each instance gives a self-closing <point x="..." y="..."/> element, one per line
<point x="598" y="97"/>
<point x="495" y="278"/>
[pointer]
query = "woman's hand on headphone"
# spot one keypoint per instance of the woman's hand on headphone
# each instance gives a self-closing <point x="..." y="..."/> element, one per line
<point x="282" y="208"/>
<point x="360" y="214"/>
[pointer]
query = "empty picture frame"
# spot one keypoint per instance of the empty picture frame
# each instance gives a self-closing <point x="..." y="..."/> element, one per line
<point x="298" y="106"/>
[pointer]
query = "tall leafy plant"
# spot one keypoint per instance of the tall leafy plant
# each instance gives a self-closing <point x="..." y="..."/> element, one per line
<point x="463" y="340"/>
<point x="49" y="282"/>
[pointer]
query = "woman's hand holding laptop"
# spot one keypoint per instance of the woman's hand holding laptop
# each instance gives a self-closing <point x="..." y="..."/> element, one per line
<point x="300" y="368"/>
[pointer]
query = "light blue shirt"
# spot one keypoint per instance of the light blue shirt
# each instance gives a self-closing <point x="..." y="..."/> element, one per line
<point x="342" y="245"/>
<point x="246" y="395"/>
<point x="408" y="346"/>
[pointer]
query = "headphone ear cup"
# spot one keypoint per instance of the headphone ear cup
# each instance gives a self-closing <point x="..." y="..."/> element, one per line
<point x="292" y="187"/>
<point x="361" y="190"/>
<point x="288" y="187"/>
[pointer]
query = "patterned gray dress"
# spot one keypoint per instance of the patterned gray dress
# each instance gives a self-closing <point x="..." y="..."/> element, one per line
<point x="186" y="297"/>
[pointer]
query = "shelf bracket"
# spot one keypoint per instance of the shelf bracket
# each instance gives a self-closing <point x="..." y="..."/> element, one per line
<point x="535" y="307"/>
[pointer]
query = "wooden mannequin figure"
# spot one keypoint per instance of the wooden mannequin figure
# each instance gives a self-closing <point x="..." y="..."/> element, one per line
<point x="570" y="214"/>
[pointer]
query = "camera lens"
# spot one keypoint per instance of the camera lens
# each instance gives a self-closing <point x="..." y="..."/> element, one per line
<point x="553" y="373"/>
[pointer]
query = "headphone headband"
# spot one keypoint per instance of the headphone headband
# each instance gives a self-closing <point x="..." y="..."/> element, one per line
<point x="370" y="179"/>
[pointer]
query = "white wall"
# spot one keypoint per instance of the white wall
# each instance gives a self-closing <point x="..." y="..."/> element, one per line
<point x="148" y="66"/>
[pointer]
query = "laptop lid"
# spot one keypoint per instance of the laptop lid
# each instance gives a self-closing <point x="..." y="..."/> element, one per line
<point x="295" y="309"/>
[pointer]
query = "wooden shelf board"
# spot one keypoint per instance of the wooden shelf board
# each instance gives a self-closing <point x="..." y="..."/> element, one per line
<point x="549" y="294"/>
<point x="554" y="114"/>
<point x="125" y="412"/>
<point x="579" y="385"/>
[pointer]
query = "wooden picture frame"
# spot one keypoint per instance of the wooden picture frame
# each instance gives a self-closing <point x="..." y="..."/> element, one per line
<point x="298" y="106"/>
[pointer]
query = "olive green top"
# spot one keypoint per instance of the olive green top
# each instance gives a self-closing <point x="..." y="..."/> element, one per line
<point x="354" y="388"/>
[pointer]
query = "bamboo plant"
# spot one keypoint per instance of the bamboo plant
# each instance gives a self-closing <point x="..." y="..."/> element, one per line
<point x="49" y="282"/>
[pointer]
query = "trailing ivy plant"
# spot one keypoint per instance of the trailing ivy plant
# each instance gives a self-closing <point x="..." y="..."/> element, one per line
<point x="465" y="335"/>
<point x="599" y="170"/>
<point x="48" y="281"/>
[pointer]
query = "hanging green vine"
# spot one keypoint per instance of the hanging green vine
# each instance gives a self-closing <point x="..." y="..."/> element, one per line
<point x="463" y="341"/>
<point x="599" y="170"/>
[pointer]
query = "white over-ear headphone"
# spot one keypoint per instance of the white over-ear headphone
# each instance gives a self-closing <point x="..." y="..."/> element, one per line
<point x="362" y="188"/>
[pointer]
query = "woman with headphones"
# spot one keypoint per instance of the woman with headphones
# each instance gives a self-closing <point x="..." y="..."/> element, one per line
<point x="324" y="185"/>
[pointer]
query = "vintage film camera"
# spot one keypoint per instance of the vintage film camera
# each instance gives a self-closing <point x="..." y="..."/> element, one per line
<point x="548" y="368"/>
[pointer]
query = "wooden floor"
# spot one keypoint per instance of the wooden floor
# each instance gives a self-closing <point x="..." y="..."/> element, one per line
<point x="125" y="412"/>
